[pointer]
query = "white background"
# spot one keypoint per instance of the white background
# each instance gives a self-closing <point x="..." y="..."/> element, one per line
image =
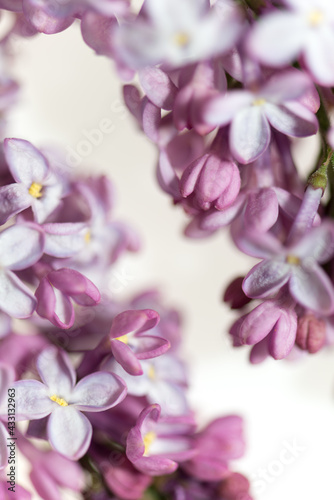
<point x="66" y="89"/>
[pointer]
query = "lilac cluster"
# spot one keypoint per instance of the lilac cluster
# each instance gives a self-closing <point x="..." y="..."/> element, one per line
<point x="224" y="87"/>
<point x="101" y="380"/>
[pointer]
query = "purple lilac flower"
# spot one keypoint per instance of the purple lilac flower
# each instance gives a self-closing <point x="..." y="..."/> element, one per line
<point x="178" y="33"/>
<point x="153" y="447"/>
<point x="251" y="113"/>
<point x="36" y="185"/>
<point x="55" y="291"/>
<point x="129" y="342"/>
<point x="59" y="397"/>
<point x="21" y="246"/>
<point x="303" y="29"/>
<point x="296" y="264"/>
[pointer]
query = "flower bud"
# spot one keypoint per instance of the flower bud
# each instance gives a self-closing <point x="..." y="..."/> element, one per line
<point x="311" y="333"/>
<point x="234" y="294"/>
<point x="235" y="487"/>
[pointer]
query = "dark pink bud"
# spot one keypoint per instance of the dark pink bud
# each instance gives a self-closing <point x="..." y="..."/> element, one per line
<point x="311" y="333"/>
<point x="234" y="294"/>
<point x="235" y="487"/>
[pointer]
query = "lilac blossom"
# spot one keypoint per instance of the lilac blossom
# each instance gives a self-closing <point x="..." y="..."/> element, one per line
<point x="251" y="113"/>
<point x="153" y="447"/>
<point x="302" y="29"/>
<point x="178" y="33"/>
<point x="36" y="185"/>
<point x="296" y="265"/>
<point x="21" y="246"/>
<point x="59" y="397"/>
<point x="55" y="291"/>
<point x="130" y="342"/>
<point x="163" y="382"/>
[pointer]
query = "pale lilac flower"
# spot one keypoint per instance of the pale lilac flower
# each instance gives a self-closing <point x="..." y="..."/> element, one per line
<point x="130" y="343"/>
<point x="296" y="265"/>
<point x="55" y="291"/>
<point x="154" y="446"/>
<point x="305" y="28"/>
<point x="68" y="430"/>
<point x="20" y="247"/>
<point x="178" y="33"/>
<point x="36" y="185"/>
<point x="251" y="113"/>
<point x="163" y="382"/>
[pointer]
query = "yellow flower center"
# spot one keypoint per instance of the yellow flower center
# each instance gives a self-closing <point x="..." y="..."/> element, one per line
<point x="148" y="440"/>
<point x="35" y="190"/>
<point x="315" y="17"/>
<point x="123" y="339"/>
<point x="88" y="237"/>
<point x="259" y="102"/>
<point x="181" y="39"/>
<point x="151" y="372"/>
<point x="59" y="400"/>
<point x="292" y="259"/>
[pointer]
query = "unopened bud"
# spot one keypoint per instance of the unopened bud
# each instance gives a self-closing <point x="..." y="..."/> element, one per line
<point x="311" y="333"/>
<point x="235" y="487"/>
<point x="234" y="294"/>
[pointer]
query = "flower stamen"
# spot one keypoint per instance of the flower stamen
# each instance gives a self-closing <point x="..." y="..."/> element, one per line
<point x="148" y="440"/>
<point x="259" y="102"/>
<point x="293" y="260"/>
<point x="35" y="190"/>
<point x="181" y="39"/>
<point x="59" y="400"/>
<point x="315" y="17"/>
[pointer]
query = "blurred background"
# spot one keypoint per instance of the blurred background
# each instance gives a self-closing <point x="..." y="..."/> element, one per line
<point x="68" y="92"/>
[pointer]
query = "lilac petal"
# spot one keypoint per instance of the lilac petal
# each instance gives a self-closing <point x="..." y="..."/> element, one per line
<point x="3" y="446"/>
<point x="126" y="357"/>
<point x="175" y="448"/>
<point x="155" y="465"/>
<point x="259" y="352"/>
<point x="158" y="87"/>
<point x="21" y="246"/>
<point x="282" y="338"/>
<point x="69" y="432"/>
<point x="133" y="320"/>
<point x="63" y="315"/>
<point x="258" y="323"/>
<point x="132" y="100"/>
<point x="7" y="376"/>
<point x="291" y="119"/>
<point x="15" y="298"/>
<point x="167" y="177"/>
<point x="278" y="38"/>
<point x="98" y="392"/>
<point x="13" y="199"/>
<point x="65" y="239"/>
<point x="169" y="396"/>
<point x="76" y="285"/>
<point x="151" y="116"/>
<point x="222" y="109"/>
<point x="249" y="134"/>
<point x="261" y="245"/>
<point x="26" y="163"/>
<point x="266" y="278"/>
<point x="261" y="210"/>
<point x="64" y="472"/>
<point x="190" y="175"/>
<point x="319" y="59"/>
<point x="313" y="289"/>
<point x="215" y="178"/>
<point x="56" y="371"/>
<point x="286" y="86"/>
<point x="217" y="219"/>
<point x="137" y="385"/>
<point x="149" y="346"/>
<point x="317" y="245"/>
<point x="43" y="21"/>
<point x="288" y="202"/>
<point x="46" y="299"/>
<point x="44" y="206"/>
<point x="32" y="400"/>
<point x="96" y="30"/>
